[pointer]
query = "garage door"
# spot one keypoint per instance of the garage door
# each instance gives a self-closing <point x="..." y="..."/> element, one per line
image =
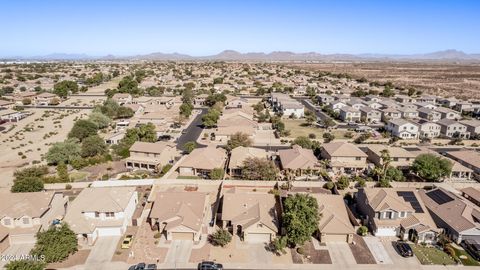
<point x="22" y="239"/>
<point x="472" y="237"/>
<point x="182" y="236"/>
<point x="334" y="238"/>
<point x="257" y="237"/>
<point x="386" y="232"/>
<point x="109" y="231"/>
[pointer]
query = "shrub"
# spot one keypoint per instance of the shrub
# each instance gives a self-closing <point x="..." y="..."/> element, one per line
<point x="220" y="238"/>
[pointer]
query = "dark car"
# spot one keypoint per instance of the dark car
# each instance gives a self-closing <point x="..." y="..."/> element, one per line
<point x="404" y="249"/>
<point x="472" y="247"/>
<point x="207" y="265"/>
<point x="151" y="267"/>
<point x="140" y="266"/>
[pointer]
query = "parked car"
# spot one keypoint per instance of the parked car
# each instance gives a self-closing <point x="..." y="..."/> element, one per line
<point x="473" y="248"/>
<point x="404" y="249"/>
<point x="127" y="241"/>
<point x="208" y="265"/>
<point x="151" y="267"/>
<point x="140" y="266"/>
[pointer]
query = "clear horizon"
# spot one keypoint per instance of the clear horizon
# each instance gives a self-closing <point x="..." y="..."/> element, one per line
<point x="125" y="28"/>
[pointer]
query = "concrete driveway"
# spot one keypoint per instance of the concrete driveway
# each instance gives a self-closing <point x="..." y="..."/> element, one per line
<point x="15" y="251"/>
<point x="378" y="250"/>
<point x="340" y="253"/>
<point x="397" y="258"/>
<point x="179" y="251"/>
<point x="102" y="252"/>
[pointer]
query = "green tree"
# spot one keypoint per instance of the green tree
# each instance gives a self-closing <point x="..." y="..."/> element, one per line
<point x="343" y="182"/>
<point x="300" y="218"/>
<point x="239" y="139"/>
<point x="394" y="174"/>
<point x="259" y="169"/>
<point x="220" y="237"/>
<point x="189" y="146"/>
<point x="27" y="184"/>
<point x="328" y="137"/>
<point x="25" y="265"/>
<point x="63" y="152"/>
<point x="186" y="109"/>
<point x="279" y="244"/>
<point x="431" y="167"/>
<point x="99" y="119"/>
<point x="56" y="243"/>
<point x="83" y="129"/>
<point x="62" y="88"/>
<point x="388" y="92"/>
<point x="210" y="119"/>
<point x="62" y="172"/>
<point x="93" y="146"/>
<point x="363" y="230"/>
<point x="303" y="142"/>
<point x="310" y="117"/>
<point x="217" y="174"/>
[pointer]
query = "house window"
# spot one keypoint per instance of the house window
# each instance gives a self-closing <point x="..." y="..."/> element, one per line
<point x="358" y="158"/>
<point x="25" y="220"/>
<point x="97" y="214"/>
<point x="7" y="222"/>
<point x="110" y="214"/>
<point x="395" y="159"/>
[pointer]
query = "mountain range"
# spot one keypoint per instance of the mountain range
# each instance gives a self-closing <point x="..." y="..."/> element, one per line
<point x="231" y="55"/>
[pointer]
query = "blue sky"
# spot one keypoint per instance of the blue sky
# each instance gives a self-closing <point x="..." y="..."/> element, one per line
<point x="208" y="27"/>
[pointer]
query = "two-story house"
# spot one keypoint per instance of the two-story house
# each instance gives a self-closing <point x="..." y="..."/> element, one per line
<point x="453" y="129"/>
<point x="344" y="157"/>
<point x="427" y="129"/>
<point x="348" y="114"/>
<point x="429" y="114"/>
<point x="22" y="215"/>
<point x="151" y="156"/>
<point x="399" y="157"/>
<point x="397" y="212"/>
<point x="370" y="115"/>
<point x="101" y="211"/>
<point x="402" y="128"/>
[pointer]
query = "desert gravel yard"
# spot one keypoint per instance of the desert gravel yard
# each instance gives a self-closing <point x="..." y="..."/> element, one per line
<point x="311" y="255"/>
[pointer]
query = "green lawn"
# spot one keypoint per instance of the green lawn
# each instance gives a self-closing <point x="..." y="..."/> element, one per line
<point x="431" y="255"/>
<point x="298" y="128"/>
<point x="469" y="261"/>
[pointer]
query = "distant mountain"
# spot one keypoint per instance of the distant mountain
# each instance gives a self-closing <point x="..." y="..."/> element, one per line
<point x="231" y="55"/>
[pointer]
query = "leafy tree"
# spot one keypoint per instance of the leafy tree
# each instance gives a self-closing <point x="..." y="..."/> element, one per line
<point x="300" y="218"/>
<point x="214" y="99"/>
<point x="93" y="146"/>
<point x="62" y="172"/>
<point x="210" y="119"/>
<point x="128" y="85"/>
<point x="394" y="174"/>
<point x="362" y="138"/>
<point x="62" y="88"/>
<point x="186" y="109"/>
<point x="217" y="174"/>
<point x="100" y="119"/>
<point x="388" y="92"/>
<point x="363" y="230"/>
<point x="279" y="244"/>
<point x="310" y="117"/>
<point x="328" y="137"/>
<point x="27" y="184"/>
<point x="83" y="129"/>
<point x="56" y="243"/>
<point x="63" y="152"/>
<point x="144" y="133"/>
<point x="304" y="142"/>
<point x="239" y="139"/>
<point x="259" y="169"/>
<point x="189" y="146"/>
<point x="221" y="237"/>
<point x="343" y="182"/>
<point x="432" y="167"/>
<point x="26" y="101"/>
<point x="124" y="112"/>
<point x="25" y="265"/>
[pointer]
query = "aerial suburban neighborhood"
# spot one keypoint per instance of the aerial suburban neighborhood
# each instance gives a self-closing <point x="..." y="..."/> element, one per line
<point x="276" y="160"/>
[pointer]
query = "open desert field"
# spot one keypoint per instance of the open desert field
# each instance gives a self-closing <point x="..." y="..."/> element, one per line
<point x="461" y="80"/>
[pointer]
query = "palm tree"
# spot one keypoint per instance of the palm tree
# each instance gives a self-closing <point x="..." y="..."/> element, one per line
<point x="386" y="159"/>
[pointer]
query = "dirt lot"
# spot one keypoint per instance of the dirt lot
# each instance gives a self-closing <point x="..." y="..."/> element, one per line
<point x="449" y="79"/>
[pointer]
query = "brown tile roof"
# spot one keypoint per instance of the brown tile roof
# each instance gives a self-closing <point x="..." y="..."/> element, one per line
<point x="240" y="154"/>
<point x="472" y="192"/>
<point x="207" y="158"/>
<point x="386" y="198"/>
<point x="247" y="208"/>
<point x="146" y="147"/>
<point x="334" y="218"/>
<point x="458" y="213"/>
<point x="298" y="158"/>
<point x="32" y="204"/>
<point x="180" y="209"/>
<point x="393" y="151"/>
<point x="468" y="156"/>
<point x="343" y="149"/>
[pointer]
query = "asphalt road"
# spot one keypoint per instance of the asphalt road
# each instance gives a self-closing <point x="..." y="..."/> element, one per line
<point x="315" y="109"/>
<point x="193" y="131"/>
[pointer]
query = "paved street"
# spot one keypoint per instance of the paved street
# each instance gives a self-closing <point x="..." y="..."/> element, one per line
<point x="193" y="131"/>
<point x="102" y="252"/>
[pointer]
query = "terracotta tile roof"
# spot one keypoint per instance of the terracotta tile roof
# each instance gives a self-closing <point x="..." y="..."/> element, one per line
<point x="298" y="158"/>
